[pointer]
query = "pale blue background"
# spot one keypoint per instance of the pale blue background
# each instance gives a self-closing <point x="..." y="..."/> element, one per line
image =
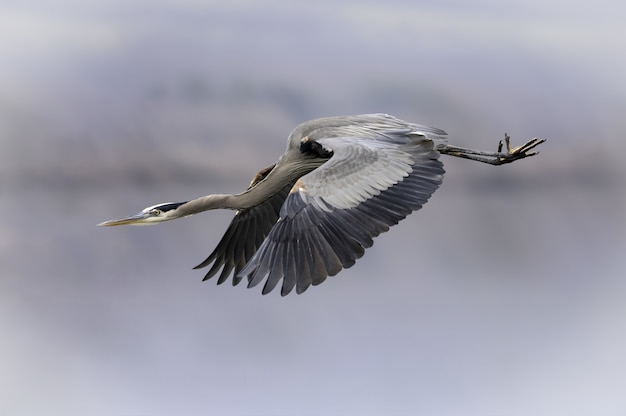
<point x="505" y="295"/>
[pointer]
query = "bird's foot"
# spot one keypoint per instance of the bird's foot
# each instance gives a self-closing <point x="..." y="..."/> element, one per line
<point x="519" y="152"/>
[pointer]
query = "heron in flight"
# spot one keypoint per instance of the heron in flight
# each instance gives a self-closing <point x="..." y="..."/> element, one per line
<point x="341" y="182"/>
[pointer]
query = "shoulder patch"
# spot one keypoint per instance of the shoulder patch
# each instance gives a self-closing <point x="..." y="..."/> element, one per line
<point x="313" y="148"/>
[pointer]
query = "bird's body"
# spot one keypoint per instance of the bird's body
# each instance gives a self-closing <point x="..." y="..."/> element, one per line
<point x="341" y="182"/>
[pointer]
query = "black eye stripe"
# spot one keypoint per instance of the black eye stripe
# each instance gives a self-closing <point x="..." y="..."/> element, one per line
<point x="169" y="207"/>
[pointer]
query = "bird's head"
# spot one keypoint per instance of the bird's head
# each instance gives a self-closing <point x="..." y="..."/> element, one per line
<point x="148" y="216"/>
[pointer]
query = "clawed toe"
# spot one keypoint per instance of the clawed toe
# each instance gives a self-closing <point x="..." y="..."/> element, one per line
<point x="518" y="152"/>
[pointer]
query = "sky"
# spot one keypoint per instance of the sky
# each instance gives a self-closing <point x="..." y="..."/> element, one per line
<point x="503" y="295"/>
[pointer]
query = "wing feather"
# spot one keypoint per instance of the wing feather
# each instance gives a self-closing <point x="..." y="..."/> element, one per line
<point x="333" y="213"/>
<point x="289" y="267"/>
<point x="304" y="265"/>
<point x="244" y="235"/>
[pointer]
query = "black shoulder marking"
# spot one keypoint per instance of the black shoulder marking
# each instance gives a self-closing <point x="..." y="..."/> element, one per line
<point x="170" y="206"/>
<point x="313" y="148"/>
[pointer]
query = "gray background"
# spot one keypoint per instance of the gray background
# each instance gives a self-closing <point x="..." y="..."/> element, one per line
<point x="504" y="295"/>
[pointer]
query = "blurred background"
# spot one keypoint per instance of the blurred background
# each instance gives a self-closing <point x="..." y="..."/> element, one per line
<point x="504" y="295"/>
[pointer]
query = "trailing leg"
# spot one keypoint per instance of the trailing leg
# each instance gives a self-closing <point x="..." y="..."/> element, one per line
<point x="493" y="158"/>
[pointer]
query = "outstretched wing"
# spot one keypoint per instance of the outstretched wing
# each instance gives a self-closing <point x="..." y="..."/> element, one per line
<point x="244" y="235"/>
<point x="331" y="214"/>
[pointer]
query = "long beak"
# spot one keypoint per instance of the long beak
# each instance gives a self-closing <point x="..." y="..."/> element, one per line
<point x="137" y="219"/>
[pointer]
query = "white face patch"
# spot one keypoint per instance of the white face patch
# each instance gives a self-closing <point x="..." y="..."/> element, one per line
<point x="161" y="207"/>
<point x="158" y="213"/>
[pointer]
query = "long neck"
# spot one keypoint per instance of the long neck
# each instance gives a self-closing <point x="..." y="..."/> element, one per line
<point x="204" y="203"/>
<point x="285" y="173"/>
<point x="251" y="197"/>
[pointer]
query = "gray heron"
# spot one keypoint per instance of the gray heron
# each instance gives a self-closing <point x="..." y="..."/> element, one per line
<point x="341" y="182"/>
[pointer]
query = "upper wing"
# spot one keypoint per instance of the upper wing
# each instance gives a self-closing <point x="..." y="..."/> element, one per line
<point x="244" y="235"/>
<point x="331" y="214"/>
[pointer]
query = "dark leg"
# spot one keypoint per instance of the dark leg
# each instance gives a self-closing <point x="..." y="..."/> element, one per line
<point x="493" y="158"/>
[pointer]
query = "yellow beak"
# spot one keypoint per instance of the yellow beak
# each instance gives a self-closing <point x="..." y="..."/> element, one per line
<point x="137" y="219"/>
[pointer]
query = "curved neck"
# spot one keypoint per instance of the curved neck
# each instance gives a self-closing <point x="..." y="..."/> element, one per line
<point x="250" y="198"/>
<point x="288" y="169"/>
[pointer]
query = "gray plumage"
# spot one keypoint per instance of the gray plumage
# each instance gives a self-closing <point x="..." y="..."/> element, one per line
<point x="341" y="182"/>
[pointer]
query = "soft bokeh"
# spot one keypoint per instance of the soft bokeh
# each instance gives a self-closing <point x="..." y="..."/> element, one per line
<point x="504" y="295"/>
